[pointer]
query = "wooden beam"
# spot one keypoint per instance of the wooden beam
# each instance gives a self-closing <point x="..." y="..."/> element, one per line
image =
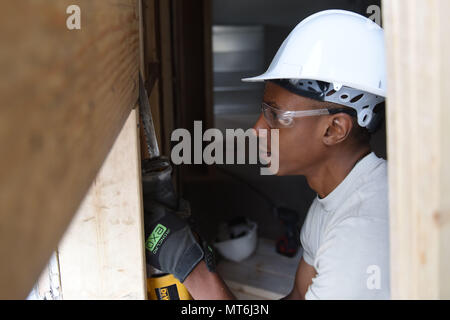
<point x="418" y="115"/>
<point x="102" y="253"/>
<point x="152" y="67"/>
<point x="167" y="78"/>
<point x="66" y="95"/>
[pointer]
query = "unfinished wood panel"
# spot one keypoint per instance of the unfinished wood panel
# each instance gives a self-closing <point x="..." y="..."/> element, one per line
<point x="48" y="287"/>
<point x="65" y="96"/>
<point x="102" y="253"/>
<point x="418" y="118"/>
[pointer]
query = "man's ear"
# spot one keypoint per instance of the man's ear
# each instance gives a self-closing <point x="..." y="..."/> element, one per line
<point x="338" y="129"/>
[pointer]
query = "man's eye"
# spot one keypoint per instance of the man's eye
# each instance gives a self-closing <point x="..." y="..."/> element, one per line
<point x="285" y="121"/>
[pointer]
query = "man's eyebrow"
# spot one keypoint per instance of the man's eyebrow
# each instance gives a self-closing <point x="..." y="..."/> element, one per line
<point x="273" y="104"/>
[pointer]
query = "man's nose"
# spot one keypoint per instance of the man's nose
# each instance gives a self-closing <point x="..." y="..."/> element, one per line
<point x="261" y="123"/>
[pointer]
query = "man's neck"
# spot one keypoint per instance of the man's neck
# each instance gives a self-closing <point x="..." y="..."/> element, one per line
<point x="332" y="171"/>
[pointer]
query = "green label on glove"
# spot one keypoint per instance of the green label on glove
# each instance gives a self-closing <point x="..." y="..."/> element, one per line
<point x="156" y="238"/>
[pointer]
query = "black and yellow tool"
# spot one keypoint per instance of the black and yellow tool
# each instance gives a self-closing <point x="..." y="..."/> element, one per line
<point x="157" y="184"/>
<point x="166" y="287"/>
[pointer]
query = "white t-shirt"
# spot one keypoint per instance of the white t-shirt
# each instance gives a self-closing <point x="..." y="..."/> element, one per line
<point x="345" y="236"/>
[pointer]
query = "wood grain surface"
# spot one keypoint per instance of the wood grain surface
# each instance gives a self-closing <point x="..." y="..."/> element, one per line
<point x="65" y="96"/>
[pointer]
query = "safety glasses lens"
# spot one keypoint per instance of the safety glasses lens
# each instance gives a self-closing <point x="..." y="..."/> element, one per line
<point x="275" y="118"/>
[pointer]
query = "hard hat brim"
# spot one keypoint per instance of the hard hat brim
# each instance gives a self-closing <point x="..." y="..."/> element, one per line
<point x="267" y="76"/>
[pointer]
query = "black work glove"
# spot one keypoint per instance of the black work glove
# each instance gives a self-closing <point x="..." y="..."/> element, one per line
<point x="170" y="243"/>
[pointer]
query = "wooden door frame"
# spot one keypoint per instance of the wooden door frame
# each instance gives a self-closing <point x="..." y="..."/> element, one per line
<point x="418" y="118"/>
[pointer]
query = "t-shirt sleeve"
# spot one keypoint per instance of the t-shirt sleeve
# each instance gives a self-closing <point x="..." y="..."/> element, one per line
<point x="305" y="240"/>
<point x="346" y="261"/>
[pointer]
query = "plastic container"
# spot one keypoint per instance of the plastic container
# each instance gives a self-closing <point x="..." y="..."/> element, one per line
<point x="241" y="243"/>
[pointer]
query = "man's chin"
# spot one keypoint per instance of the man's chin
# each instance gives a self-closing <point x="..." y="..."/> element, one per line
<point x="270" y="163"/>
<point x="285" y="171"/>
<point x="270" y="170"/>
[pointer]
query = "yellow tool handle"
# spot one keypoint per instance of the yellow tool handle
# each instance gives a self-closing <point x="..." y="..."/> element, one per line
<point x="166" y="287"/>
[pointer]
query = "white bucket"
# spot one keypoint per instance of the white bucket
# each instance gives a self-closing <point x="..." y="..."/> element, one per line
<point x="240" y="248"/>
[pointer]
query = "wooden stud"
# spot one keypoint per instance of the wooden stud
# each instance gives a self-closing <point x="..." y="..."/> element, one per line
<point x="66" y="95"/>
<point x="418" y="118"/>
<point x="102" y="253"/>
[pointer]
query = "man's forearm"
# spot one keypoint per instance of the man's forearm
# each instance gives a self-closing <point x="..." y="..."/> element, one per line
<point x="205" y="285"/>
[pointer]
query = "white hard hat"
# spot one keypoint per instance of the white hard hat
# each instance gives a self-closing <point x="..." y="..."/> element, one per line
<point x="340" y="48"/>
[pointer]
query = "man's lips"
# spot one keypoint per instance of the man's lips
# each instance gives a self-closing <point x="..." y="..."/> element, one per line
<point x="265" y="157"/>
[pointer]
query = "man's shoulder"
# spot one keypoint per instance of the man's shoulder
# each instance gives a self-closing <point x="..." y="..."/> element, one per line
<point x="365" y="197"/>
<point x="372" y="195"/>
<point x="369" y="198"/>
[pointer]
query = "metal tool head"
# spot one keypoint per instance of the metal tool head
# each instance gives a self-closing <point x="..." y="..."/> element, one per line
<point x="146" y="116"/>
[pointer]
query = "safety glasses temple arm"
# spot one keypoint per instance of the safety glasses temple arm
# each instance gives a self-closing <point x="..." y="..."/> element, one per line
<point x="351" y="112"/>
<point x="308" y="113"/>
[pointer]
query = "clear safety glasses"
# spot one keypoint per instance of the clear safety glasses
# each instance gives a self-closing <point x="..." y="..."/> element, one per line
<point x="277" y="118"/>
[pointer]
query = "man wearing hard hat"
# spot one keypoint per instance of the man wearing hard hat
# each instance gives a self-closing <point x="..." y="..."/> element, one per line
<point x="325" y="92"/>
